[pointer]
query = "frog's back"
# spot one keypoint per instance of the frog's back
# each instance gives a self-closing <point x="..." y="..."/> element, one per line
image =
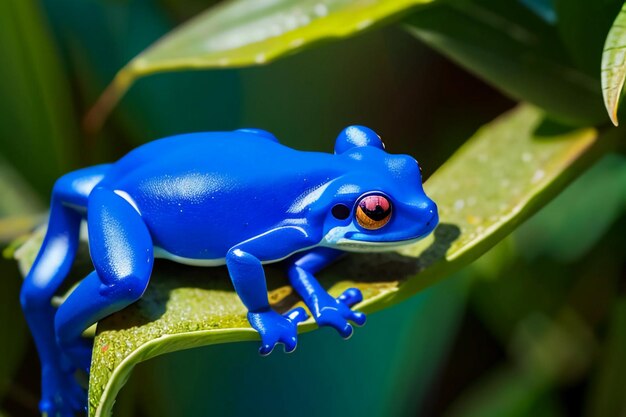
<point x="217" y="151"/>
<point x="235" y="185"/>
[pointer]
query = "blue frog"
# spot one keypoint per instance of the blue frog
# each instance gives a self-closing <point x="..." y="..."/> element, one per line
<point x="236" y="198"/>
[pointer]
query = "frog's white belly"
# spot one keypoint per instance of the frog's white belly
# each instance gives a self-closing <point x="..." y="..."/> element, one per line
<point x="361" y="246"/>
<point x="163" y="254"/>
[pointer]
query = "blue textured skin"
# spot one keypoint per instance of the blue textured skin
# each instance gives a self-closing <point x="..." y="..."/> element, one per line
<point x="236" y="198"/>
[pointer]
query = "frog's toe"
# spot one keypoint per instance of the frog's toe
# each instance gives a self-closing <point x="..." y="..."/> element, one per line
<point x="79" y="354"/>
<point x="297" y="315"/>
<point x="335" y="318"/>
<point x="336" y="312"/>
<point x="77" y="398"/>
<point x="290" y="344"/>
<point x="269" y="342"/>
<point x="49" y="408"/>
<point x="290" y="340"/>
<point x="274" y="328"/>
<point x="351" y="296"/>
<point x="357" y="318"/>
<point x="63" y="396"/>
<point x="346" y="331"/>
<point x="266" y="348"/>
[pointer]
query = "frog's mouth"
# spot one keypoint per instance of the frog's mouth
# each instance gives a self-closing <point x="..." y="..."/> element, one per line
<point x="354" y="241"/>
<point x="353" y="245"/>
<point x="351" y="239"/>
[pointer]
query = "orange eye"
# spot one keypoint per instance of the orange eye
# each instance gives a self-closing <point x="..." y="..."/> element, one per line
<point x="373" y="211"/>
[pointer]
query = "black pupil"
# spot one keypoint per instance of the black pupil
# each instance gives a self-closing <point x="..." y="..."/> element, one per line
<point x="341" y="211"/>
<point x="377" y="214"/>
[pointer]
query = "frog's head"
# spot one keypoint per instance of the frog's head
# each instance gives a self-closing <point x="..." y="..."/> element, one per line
<point x="379" y="203"/>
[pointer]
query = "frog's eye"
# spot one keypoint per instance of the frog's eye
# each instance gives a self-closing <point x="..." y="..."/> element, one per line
<point x="373" y="211"/>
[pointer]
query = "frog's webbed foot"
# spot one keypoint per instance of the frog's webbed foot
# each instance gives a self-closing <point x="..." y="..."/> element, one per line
<point x="275" y="328"/>
<point x="62" y="396"/>
<point x="327" y="310"/>
<point x="246" y="273"/>
<point x="336" y="312"/>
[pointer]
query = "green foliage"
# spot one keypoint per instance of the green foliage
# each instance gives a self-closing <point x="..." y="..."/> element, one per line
<point x="507" y="45"/>
<point x="99" y="37"/>
<point x="506" y="393"/>
<point x="553" y="337"/>
<point x="19" y="207"/>
<point x="607" y="398"/>
<point x="36" y="106"/>
<point x="614" y="65"/>
<point x="14" y="331"/>
<point x="545" y="293"/>
<point x="241" y="34"/>
<point x="408" y="340"/>
<point x="183" y="308"/>
<point x="584" y="42"/>
<point x="580" y="222"/>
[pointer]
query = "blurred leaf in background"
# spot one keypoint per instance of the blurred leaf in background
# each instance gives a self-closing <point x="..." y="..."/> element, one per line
<point x="523" y="55"/>
<point x="99" y="37"/>
<point x="38" y="132"/>
<point x="566" y="265"/>
<point x="20" y="206"/>
<point x="243" y="33"/>
<point x="584" y="41"/>
<point x="546" y="300"/>
<point x="606" y="396"/>
<point x="37" y="138"/>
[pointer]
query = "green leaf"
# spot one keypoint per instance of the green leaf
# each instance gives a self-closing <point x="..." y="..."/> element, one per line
<point x="562" y="259"/>
<point x="12" y="325"/>
<point x="37" y="127"/>
<point x="509" y="169"/>
<point x="607" y="390"/>
<point x="504" y="173"/>
<point x="542" y="8"/>
<point x="94" y="49"/>
<point x="583" y="41"/>
<point x="240" y="33"/>
<point x="570" y="226"/>
<point x="614" y="65"/>
<point x="412" y="340"/>
<point x="20" y="206"/>
<point x="518" y="54"/>
<point x="506" y="392"/>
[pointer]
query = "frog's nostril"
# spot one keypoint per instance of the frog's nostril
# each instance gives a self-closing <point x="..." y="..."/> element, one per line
<point x="433" y="215"/>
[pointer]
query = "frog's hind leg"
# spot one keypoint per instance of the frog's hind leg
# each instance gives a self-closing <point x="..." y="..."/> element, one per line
<point x="69" y="199"/>
<point x="122" y="254"/>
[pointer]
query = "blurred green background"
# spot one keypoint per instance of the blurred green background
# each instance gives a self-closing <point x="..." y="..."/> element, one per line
<point x="536" y="327"/>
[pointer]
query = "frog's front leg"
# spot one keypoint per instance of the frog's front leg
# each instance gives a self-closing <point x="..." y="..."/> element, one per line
<point x="246" y="272"/>
<point x="327" y="310"/>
